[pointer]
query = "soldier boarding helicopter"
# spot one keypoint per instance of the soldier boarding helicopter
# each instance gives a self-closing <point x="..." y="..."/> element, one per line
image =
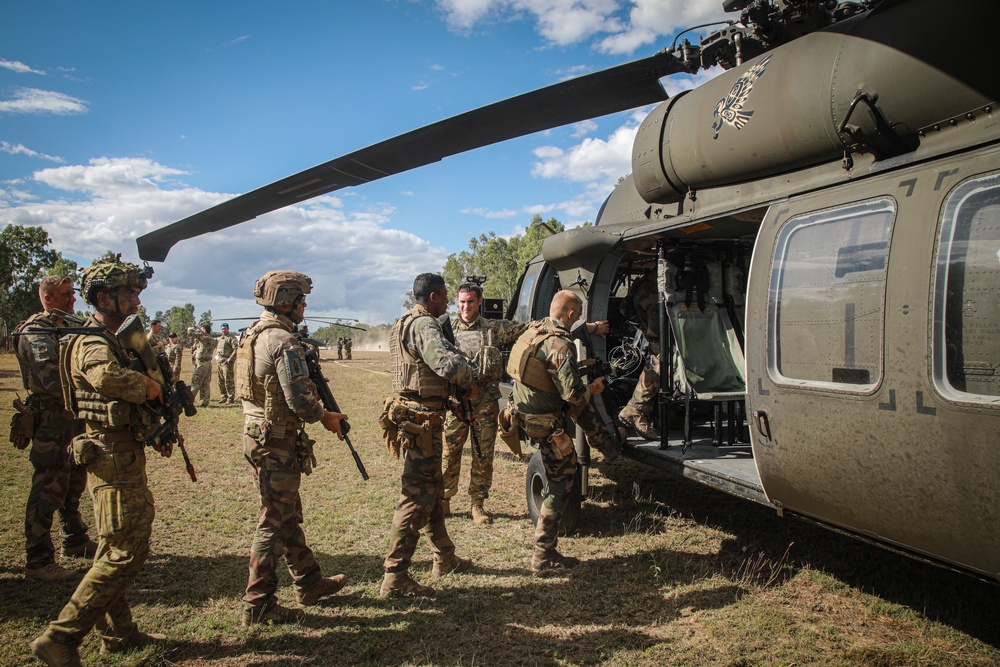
<point x="823" y="224"/>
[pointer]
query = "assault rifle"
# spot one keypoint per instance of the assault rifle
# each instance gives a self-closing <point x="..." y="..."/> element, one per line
<point x="177" y="396"/>
<point x="326" y="396"/>
<point x="462" y="406"/>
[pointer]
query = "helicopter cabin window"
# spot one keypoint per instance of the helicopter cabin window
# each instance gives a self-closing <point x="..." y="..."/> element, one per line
<point x="827" y="297"/>
<point x="966" y="357"/>
<point x="524" y="298"/>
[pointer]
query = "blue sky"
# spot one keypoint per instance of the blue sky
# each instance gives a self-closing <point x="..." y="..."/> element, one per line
<point x="117" y="118"/>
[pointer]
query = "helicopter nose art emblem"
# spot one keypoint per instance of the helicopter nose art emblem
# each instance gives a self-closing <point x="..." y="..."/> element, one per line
<point x="730" y="108"/>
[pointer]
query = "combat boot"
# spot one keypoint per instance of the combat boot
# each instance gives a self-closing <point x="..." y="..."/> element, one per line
<point x="54" y="654"/>
<point x="446" y="508"/>
<point x="399" y="584"/>
<point x="134" y="641"/>
<point x="49" y="573"/>
<point x="85" y="550"/>
<point x="455" y="564"/>
<point x="324" y="587"/>
<point x="479" y="513"/>
<point x="639" y="422"/>
<point x="552" y="560"/>
<point x="271" y="613"/>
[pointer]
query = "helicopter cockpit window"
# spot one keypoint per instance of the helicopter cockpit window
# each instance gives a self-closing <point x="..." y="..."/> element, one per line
<point x="827" y="297"/>
<point x="524" y="298"/>
<point x="966" y="358"/>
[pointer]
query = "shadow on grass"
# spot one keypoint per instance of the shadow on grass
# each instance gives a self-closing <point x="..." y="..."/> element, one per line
<point x="948" y="597"/>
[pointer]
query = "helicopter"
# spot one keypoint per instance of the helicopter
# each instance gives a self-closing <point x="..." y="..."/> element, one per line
<point x="822" y="225"/>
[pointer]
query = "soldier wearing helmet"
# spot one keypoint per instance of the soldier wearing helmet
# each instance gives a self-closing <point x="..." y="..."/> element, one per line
<point x="99" y="389"/>
<point x="278" y="398"/>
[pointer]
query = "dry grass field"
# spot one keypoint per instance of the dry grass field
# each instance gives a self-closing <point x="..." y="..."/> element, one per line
<point x="673" y="574"/>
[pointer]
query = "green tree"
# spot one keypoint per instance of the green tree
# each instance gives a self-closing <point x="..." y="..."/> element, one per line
<point x="24" y="261"/>
<point x="108" y="256"/>
<point x="179" y="319"/>
<point x="206" y="318"/>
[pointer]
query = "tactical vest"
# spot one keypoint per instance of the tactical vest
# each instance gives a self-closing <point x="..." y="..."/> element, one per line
<point x="264" y="391"/>
<point x="409" y="372"/>
<point x="36" y="320"/>
<point x="477" y="346"/>
<point x="91" y="406"/>
<point x="524" y="366"/>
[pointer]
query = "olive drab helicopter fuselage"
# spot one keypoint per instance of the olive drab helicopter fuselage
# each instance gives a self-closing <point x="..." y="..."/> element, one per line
<point x="823" y="224"/>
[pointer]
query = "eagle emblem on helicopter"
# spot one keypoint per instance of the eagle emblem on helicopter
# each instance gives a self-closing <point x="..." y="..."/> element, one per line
<point x="730" y="108"/>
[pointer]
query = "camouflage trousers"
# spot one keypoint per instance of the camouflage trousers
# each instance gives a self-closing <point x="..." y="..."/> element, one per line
<point x="420" y="508"/>
<point x="644" y="396"/>
<point x="456" y="433"/>
<point x="560" y="475"/>
<point x="201" y="382"/>
<point x="227" y="381"/>
<point x="279" y="525"/>
<point x="123" y="510"/>
<point x="56" y="486"/>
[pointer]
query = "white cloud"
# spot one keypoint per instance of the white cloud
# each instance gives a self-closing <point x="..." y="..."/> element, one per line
<point x="37" y="101"/>
<point x="21" y="149"/>
<point x="491" y="215"/>
<point x="594" y="160"/>
<point x="19" y="67"/>
<point x="360" y="267"/>
<point x="583" y="128"/>
<point x="618" y="26"/>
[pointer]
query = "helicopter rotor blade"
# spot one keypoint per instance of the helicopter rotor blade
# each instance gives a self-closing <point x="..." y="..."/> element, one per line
<point x="607" y="91"/>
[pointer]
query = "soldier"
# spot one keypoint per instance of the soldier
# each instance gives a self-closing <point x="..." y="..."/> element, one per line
<point x="157" y="341"/>
<point x="175" y="352"/>
<point x="644" y="301"/>
<point x="201" y="379"/>
<point x="98" y="386"/>
<point x="547" y="389"/>
<point x="423" y="363"/>
<point x="478" y="339"/>
<point x="57" y="482"/>
<point x="340" y="348"/>
<point x="225" y="354"/>
<point x="348" y="346"/>
<point x="273" y="382"/>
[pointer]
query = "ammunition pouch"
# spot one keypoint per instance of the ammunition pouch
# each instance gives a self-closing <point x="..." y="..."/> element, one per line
<point x="305" y="452"/>
<point x="84" y="450"/>
<point x="22" y="425"/>
<point x="490" y="364"/>
<point x="540" y="427"/>
<point x="562" y="444"/>
<point x="509" y="429"/>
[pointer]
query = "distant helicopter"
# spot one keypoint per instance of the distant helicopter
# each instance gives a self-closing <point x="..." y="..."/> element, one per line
<point x="823" y="224"/>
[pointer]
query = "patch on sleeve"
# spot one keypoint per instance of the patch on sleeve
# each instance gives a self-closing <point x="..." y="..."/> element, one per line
<point x="295" y="365"/>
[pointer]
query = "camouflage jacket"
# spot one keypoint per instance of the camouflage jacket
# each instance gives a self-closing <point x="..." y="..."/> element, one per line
<point x="157" y="341"/>
<point x="204" y="347"/>
<point x="175" y="353"/>
<point x="38" y="358"/>
<point x="225" y="351"/>
<point x="559" y="356"/>
<point x="503" y="334"/>
<point x="278" y="353"/>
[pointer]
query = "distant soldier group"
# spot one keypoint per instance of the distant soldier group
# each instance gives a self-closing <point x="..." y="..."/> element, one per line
<point x="87" y="421"/>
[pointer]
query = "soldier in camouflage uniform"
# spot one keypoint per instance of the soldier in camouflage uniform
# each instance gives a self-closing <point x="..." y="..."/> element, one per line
<point x="201" y="379"/>
<point x="225" y="355"/>
<point x="175" y="353"/>
<point x="423" y="364"/>
<point x="348" y="347"/>
<point x="644" y="301"/>
<point x="340" y="348"/>
<point x="548" y="389"/>
<point x="272" y="380"/>
<point x="57" y="482"/>
<point x="478" y="339"/>
<point x="157" y="340"/>
<point x="100" y="389"/>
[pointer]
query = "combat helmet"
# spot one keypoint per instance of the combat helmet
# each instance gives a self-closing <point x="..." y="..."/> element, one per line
<point x="110" y="275"/>
<point x="281" y="288"/>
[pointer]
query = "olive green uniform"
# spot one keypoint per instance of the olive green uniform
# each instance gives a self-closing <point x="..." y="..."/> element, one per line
<point x="175" y="353"/>
<point x="201" y="379"/>
<point x="101" y="390"/>
<point x="543" y="400"/>
<point x="225" y="355"/>
<point x="423" y="363"/>
<point x="478" y="340"/>
<point x="57" y="482"/>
